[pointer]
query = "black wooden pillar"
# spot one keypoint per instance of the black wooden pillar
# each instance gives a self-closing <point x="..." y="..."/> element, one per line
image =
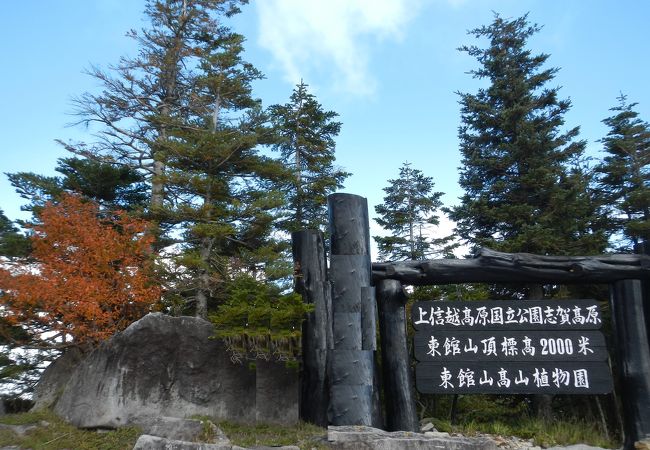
<point x="353" y="397"/>
<point x="310" y="271"/>
<point x="633" y="359"/>
<point x="396" y="362"/>
<point x="644" y="249"/>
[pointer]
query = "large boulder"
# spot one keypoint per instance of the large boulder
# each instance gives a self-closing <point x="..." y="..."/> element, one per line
<point x="54" y="378"/>
<point x="163" y="366"/>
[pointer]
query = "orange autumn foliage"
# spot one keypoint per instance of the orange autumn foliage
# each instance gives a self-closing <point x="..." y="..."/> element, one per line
<point x="91" y="277"/>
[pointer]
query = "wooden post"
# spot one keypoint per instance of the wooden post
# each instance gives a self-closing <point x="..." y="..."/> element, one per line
<point x="633" y="359"/>
<point x="396" y="362"/>
<point x="353" y="397"/>
<point x="311" y="282"/>
<point x="644" y="249"/>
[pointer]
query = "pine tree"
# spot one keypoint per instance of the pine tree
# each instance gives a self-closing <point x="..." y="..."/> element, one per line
<point x="409" y="212"/>
<point x="524" y="176"/>
<point x="13" y="244"/>
<point x="306" y="144"/>
<point x="183" y="115"/>
<point x="624" y="175"/>
<point x="524" y="181"/>
<point x="110" y="185"/>
<point x="18" y="369"/>
<point x="143" y="97"/>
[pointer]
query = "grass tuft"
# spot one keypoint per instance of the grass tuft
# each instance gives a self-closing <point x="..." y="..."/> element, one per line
<point x="304" y="435"/>
<point x="543" y="434"/>
<point x="52" y="433"/>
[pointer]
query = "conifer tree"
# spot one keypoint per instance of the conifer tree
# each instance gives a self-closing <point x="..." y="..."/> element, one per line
<point x="306" y="143"/>
<point x="145" y="96"/>
<point x="110" y="185"/>
<point x="624" y="175"/>
<point x="524" y="181"/>
<point x="409" y="212"/>
<point x="18" y="369"/>
<point x="13" y="244"/>
<point x="181" y="112"/>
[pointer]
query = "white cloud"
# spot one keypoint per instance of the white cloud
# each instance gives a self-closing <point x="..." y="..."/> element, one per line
<point x="331" y="36"/>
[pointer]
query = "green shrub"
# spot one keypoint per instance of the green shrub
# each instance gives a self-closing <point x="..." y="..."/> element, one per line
<point x="259" y="322"/>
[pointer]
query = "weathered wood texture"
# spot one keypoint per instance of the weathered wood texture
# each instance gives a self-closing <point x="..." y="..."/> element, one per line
<point x="349" y="224"/>
<point x="644" y="249"/>
<point x="396" y="362"/>
<point x="310" y="274"/>
<point x="633" y="354"/>
<point x="353" y="399"/>
<point x="490" y="266"/>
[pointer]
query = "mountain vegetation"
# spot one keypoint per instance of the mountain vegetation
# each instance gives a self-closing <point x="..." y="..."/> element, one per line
<point x="184" y="198"/>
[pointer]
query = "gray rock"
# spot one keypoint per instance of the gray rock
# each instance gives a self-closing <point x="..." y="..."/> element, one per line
<point x="20" y="430"/>
<point x="158" y="366"/>
<point x="576" y="447"/>
<point x="437" y="434"/>
<point x="427" y="427"/>
<point x="178" y="429"/>
<point x="359" y="437"/>
<point x="264" y="447"/>
<point x="55" y="376"/>
<point x="148" y="442"/>
<point x="277" y="394"/>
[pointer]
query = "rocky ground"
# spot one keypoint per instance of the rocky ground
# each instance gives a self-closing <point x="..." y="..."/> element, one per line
<point x="167" y="433"/>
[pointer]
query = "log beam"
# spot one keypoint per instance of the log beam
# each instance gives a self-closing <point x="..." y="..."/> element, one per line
<point x="489" y="266"/>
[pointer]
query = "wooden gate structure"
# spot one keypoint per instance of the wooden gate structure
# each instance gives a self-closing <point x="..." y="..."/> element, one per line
<point x="340" y="379"/>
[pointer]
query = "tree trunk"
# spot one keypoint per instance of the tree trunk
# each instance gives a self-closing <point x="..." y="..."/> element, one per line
<point x="353" y="399"/>
<point x="310" y="274"/>
<point x="396" y="362"/>
<point x="490" y="266"/>
<point x="204" y="288"/>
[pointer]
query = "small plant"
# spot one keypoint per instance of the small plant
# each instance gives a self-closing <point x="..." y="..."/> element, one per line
<point x="259" y="322"/>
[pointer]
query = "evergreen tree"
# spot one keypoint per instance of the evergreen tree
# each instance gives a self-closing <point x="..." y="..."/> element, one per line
<point x="409" y="212"/>
<point x="19" y="370"/>
<point x="13" y="244"/>
<point x="306" y="143"/>
<point x="624" y="179"/>
<point x="112" y="186"/>
<point x="183" y="115"/>
<point x="524" y="181"/>
<point x="145" y="96"/>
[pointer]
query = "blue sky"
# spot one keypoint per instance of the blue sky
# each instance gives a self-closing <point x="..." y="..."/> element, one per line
<point x="390" y="68"/>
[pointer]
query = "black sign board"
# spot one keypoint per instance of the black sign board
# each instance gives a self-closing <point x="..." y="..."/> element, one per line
<point x="513" y="378"/>
<point x="556" y="345"/>
<point x="508" y="315"/>
<point x="510" y="347"/>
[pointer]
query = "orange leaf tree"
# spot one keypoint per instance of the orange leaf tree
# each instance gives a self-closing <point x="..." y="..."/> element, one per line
<point x="91" y="275"/>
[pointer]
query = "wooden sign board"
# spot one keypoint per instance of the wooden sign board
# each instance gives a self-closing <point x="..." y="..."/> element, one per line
<point x="556" y="345"/>
<point x="513" y="378"/>
<point x="510" y="347"/>
<point x="507" y="315"/>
